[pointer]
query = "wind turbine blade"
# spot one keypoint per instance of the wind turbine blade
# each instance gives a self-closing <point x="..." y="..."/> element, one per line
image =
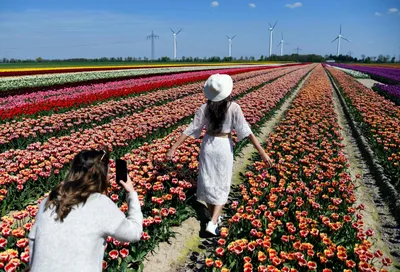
<point x="340" y="28"/>
<point x="275" y="24"/>
<point x="282" y="35"/>
<point x="336" y="38"/>
<point x="179" y="31"/>
<point x="345" y="39"/>
<point x="172" y="30"/>
<point x="233" y="37"/>
<point x="279" y="44"/>
<point x="227" y="37"/>
<point x="269" y="24"/>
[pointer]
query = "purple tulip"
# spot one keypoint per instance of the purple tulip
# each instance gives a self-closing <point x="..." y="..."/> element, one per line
<point x="393" y="90"/>
<point x="390" y="75"/>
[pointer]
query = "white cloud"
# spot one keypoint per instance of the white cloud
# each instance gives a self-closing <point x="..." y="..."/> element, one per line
<point x="378" y="14"/>
<point x="393" y="10"/>
<point x="252" y="5"/>
<point x="294" y="5"/>
<point x="214" y="4"/>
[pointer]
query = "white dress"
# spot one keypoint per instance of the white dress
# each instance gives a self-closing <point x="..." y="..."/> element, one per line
<point x="216" y="154"/>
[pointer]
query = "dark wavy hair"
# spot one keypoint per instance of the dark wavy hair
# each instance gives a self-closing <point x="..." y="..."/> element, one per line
<point x="215" y="113"/>
<point x="87" y="175"/>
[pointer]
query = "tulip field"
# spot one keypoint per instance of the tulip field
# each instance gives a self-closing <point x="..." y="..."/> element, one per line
<point x="299" y="215"/>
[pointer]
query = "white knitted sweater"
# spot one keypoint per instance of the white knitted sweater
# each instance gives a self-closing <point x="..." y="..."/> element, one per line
<point x="78" y="243"/>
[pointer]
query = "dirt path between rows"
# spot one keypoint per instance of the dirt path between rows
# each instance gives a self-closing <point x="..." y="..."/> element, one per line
<point x="183" y="253"/>
<point x="367" y="82"/>
<point x="377" y="215"/>
<point x="169" y="255"/>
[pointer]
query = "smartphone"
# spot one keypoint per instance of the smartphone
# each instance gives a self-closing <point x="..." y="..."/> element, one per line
<point x="121" y="170"/>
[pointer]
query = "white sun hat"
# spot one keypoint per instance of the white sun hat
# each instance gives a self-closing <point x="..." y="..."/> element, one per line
<point x="218" y="87"/>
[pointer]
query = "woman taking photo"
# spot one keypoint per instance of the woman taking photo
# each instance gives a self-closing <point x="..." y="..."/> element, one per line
<point x="219" y="116"/>
<point x="72" y="224"/>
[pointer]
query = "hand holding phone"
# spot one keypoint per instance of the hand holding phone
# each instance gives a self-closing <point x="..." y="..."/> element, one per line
<point x="121" y="170"/>
<point x="122" y="175"/>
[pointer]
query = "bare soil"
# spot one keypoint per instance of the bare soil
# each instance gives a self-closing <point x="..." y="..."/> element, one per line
<point x="170" y="254"/>
<point x="367" y="82"/>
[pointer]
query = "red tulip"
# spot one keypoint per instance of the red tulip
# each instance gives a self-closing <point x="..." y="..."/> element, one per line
<point x="3" y="242"/>
<point x="124" y="252"/>
<point x="145" y="236"/>
<point x="113" y="254"/>
<point x="218" y="263"/>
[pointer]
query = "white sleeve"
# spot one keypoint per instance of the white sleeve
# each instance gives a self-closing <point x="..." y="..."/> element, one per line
<point x="31" y="237"/>
<point x="116" y="225"/>
<point x="240" y="124"/>
<point x="195" y="128"/>
<point x="32" y="232"/>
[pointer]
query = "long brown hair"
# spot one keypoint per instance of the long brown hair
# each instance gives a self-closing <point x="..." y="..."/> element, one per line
<point x="87" y="175"/>
<point x="215" y="113"/>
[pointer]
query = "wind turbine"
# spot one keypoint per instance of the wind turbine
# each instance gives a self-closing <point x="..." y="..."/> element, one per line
<point x="174" y="34"/>
<point x="230" y="45"/>
<point x="281" y="44"/>
<point x="271" y="30"/>
<point x="339" y="37"/>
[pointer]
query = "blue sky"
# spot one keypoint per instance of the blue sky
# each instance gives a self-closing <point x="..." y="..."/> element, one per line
<point x="97" y="28"/>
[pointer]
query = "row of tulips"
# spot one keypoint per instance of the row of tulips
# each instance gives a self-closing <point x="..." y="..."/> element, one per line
<point x="391" y="92"/>
<point x="163" y="188"/>
<point x="26" y="82"/>
<point x="18" y="134"/>
<point x="380" y="121"/>
<point x="387" y="75"/>
<point x="8" y="72"/>
<point x="33" y="166"/>
<point x="385" y="65"/>
<point x="55" y="100"/>
<point x="299" y="214"/>
<point x="353" y="73"/>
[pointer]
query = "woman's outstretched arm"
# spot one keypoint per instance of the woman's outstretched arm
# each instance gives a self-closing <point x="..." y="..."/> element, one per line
<point x="267" y="160"/>
<point x="172" y="150"/>
<point x="194" y="129"/>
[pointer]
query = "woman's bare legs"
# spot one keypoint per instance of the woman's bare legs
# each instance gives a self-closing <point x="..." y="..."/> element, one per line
<point x="215" y="212"/>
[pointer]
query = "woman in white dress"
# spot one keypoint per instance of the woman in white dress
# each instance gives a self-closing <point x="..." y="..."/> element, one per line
<point x="219" y="116"/>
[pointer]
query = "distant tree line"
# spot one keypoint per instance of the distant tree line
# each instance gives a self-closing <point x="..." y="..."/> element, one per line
<point x="288" y="58"/>
<point x="364" y="59"/>
<point x="131" y="59"/>
<point x="295" y="58"/>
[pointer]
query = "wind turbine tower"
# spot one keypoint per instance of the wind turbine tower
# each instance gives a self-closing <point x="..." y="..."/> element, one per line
<point x="230" y="45"/>
<point x="339" y="37"/>
<point x="281" y="44"/>
<point x="175" y="34"/>
<point x="271" y="30"/>
<point x="152" y="37"/>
